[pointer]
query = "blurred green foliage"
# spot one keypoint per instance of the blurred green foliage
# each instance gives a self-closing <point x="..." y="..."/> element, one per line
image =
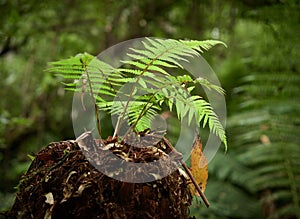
<point x="259" y="177"/>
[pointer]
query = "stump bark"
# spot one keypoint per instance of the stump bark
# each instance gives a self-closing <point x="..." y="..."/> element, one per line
<point x="62" y="183"/>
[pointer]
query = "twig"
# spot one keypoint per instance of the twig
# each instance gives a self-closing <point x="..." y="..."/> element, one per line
<point x="187" y="170"/>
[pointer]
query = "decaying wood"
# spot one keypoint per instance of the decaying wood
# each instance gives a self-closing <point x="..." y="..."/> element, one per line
<point x="62" y="183"/>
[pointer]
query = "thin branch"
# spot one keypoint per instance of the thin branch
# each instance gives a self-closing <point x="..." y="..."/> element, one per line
<point x="187" y="170"/>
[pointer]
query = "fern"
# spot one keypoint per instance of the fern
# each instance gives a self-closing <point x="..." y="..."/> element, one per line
<point x="267" y="135"/>
<point x="149" y="84"/>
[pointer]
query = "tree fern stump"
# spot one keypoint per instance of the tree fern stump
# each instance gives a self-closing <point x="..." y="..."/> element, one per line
<point x="62" y="183"/>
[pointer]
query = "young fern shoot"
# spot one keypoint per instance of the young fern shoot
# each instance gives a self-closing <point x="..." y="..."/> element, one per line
<point x="136" y="91"/>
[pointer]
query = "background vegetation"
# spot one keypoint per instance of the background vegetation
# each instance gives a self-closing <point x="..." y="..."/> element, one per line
<point x="259" y="177"/>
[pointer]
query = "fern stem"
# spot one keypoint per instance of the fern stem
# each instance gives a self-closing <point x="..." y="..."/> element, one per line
<point x="120" y="119"/>
<point x="144" y="110"/>
<point x="93" y="98"/>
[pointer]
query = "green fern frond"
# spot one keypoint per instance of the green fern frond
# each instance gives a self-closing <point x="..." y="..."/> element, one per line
<point x="151" y="84"/>
<point x="159" y="53"/>
<point x="267" y="138"/>
<point x="202" y="45"/>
